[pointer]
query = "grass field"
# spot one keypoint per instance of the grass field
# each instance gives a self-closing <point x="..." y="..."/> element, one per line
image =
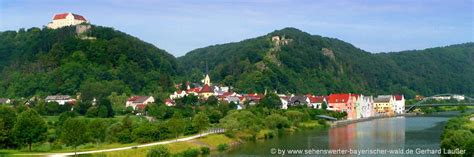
<point x="174" y="148"/>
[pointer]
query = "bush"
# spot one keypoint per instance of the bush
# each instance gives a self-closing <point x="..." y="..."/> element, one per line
<point x="191" y="153"/>
<point x="205" y="151"/>
<point x="322" y="122"/>
<point x="160" y="151"/>
<point x="222" y="147"/>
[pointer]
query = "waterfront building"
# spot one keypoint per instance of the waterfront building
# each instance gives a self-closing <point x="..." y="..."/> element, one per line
<point x="384" y="104"/>
<point x="399" y="104"/>
<point x="343" y="103"/>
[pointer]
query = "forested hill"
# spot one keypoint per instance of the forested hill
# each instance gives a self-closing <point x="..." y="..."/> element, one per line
<point x="304" y="63"/>
<point x="101" y="60"/>
<point x="46" y="61"/>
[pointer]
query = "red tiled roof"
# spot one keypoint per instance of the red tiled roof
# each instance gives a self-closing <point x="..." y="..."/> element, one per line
<point x="169" y="101"/>
<point x="206" y="89"/>
<point x="64" y="15"/>
<point x="398" y="97"/>
<point x="339" y="98"/>
<point x="141" y="106"/>
<point x="60" y="16"/>
<point x="138" y="99"/>
<point x="79" y="17"/>
<point x="316" y="99"/>
<point x="196" y="90"/>
<point x="133" y="98"/>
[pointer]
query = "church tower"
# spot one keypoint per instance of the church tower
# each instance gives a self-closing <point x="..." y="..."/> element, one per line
<point x="207" y="80"/>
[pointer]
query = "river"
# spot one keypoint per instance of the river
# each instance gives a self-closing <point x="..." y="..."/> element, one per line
<point x="415" y="135"/>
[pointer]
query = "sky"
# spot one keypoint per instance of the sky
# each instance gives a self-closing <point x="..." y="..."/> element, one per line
<point x="181" y="26"/>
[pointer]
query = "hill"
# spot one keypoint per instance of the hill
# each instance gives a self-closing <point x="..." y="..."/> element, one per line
<point x="290" y="60"/>
<point x="61" y="61"/>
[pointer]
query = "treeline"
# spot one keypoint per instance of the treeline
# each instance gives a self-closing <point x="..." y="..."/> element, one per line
<point x="321" y="65"/>
<point x="458" y="134"/>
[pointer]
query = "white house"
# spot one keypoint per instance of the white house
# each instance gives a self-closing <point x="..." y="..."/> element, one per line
<point x="365" y="106"/>
<point x="66" y="19"/>
<point x="284" y="101"/>
<point x="139" y="102"/>
<point x="5" y="101"/>
<point x="399" y="104"/>
<point x="315" y="101"/>
<point x="60" y="99"/>
<point x="178" y="94"/>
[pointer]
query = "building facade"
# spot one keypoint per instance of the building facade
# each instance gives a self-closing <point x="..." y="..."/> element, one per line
<point x="66" y="19"/>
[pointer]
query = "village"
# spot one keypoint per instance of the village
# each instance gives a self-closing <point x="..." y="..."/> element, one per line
<point x="355" y="105"/>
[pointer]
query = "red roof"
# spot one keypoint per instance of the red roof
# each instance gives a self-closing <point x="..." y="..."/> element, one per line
<point x="133" y="98"/>
<point x="339" y="98"/>
<point x="398" y="97"/>
<point x="316" y="99"/>
<point x="141" y="106"/>
<point x="64" y="15"/>
<point x="206" y="89"/>
<point x="195" y="90"/>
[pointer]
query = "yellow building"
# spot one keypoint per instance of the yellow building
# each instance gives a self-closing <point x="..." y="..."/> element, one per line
<point x="383" y="104"/>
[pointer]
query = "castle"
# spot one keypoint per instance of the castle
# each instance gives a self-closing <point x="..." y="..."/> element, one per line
<point x="66" y="19"/>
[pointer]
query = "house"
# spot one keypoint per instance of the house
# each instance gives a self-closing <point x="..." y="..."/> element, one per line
<point x="298" y="100"/>
<point x="384" y="104"/>
<point x="364" y="106"/>
<point x="66" y="19"/>
<point x="369" y="111"/>
<point x="284" y="101"/>
<point x="170" y="102"/>
<point x="178" y="94"/>
<point x="60" y="99"/>
<point x="139" y="102"/>
<point x="233" y="99"/>
<point x="316" y="101"/>
<point x="5" y="101"/>
<point x="343" y="103"/>
<point x="399" y="104"/>
<point x="252" y="99"/>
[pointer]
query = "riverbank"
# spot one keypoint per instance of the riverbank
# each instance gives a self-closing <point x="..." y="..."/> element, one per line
<point x="175" y="146"/>
<point x="458" y="136"/>
<point x="350" y="121"/>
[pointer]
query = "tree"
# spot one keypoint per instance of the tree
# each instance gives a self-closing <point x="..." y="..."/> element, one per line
<point x="97" y="130"/>
<point x="294" y="116"/>
<point x="29" y="128"/>
<point x="7" y="122"/>
<point x="118" y="102"/>
<point x="74" y="132"/>
<point x="176" y="125"/>
<point x="271" y="100"/>
<point x="212" y="101"/>
<point x="324" y="105"/>
<point x="159" y="151"/>
<point x="276" y="121"/>
<point x="200" y="121"/>
<point x="102" y="112"/>
<point x="92" y="112"/>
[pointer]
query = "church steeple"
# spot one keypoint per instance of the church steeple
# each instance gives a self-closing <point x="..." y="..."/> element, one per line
<point x="207" y="80"/>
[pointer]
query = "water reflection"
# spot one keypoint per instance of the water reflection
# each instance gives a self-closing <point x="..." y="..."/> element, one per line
<point x="376" y="134"/>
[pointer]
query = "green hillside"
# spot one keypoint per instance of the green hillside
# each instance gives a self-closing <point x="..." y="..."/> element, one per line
<point x="45" y="61"/>
<point x="320" y="65"/>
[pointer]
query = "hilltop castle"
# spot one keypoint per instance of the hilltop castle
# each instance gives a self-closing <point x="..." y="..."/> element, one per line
<point x="66" y="19"/>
